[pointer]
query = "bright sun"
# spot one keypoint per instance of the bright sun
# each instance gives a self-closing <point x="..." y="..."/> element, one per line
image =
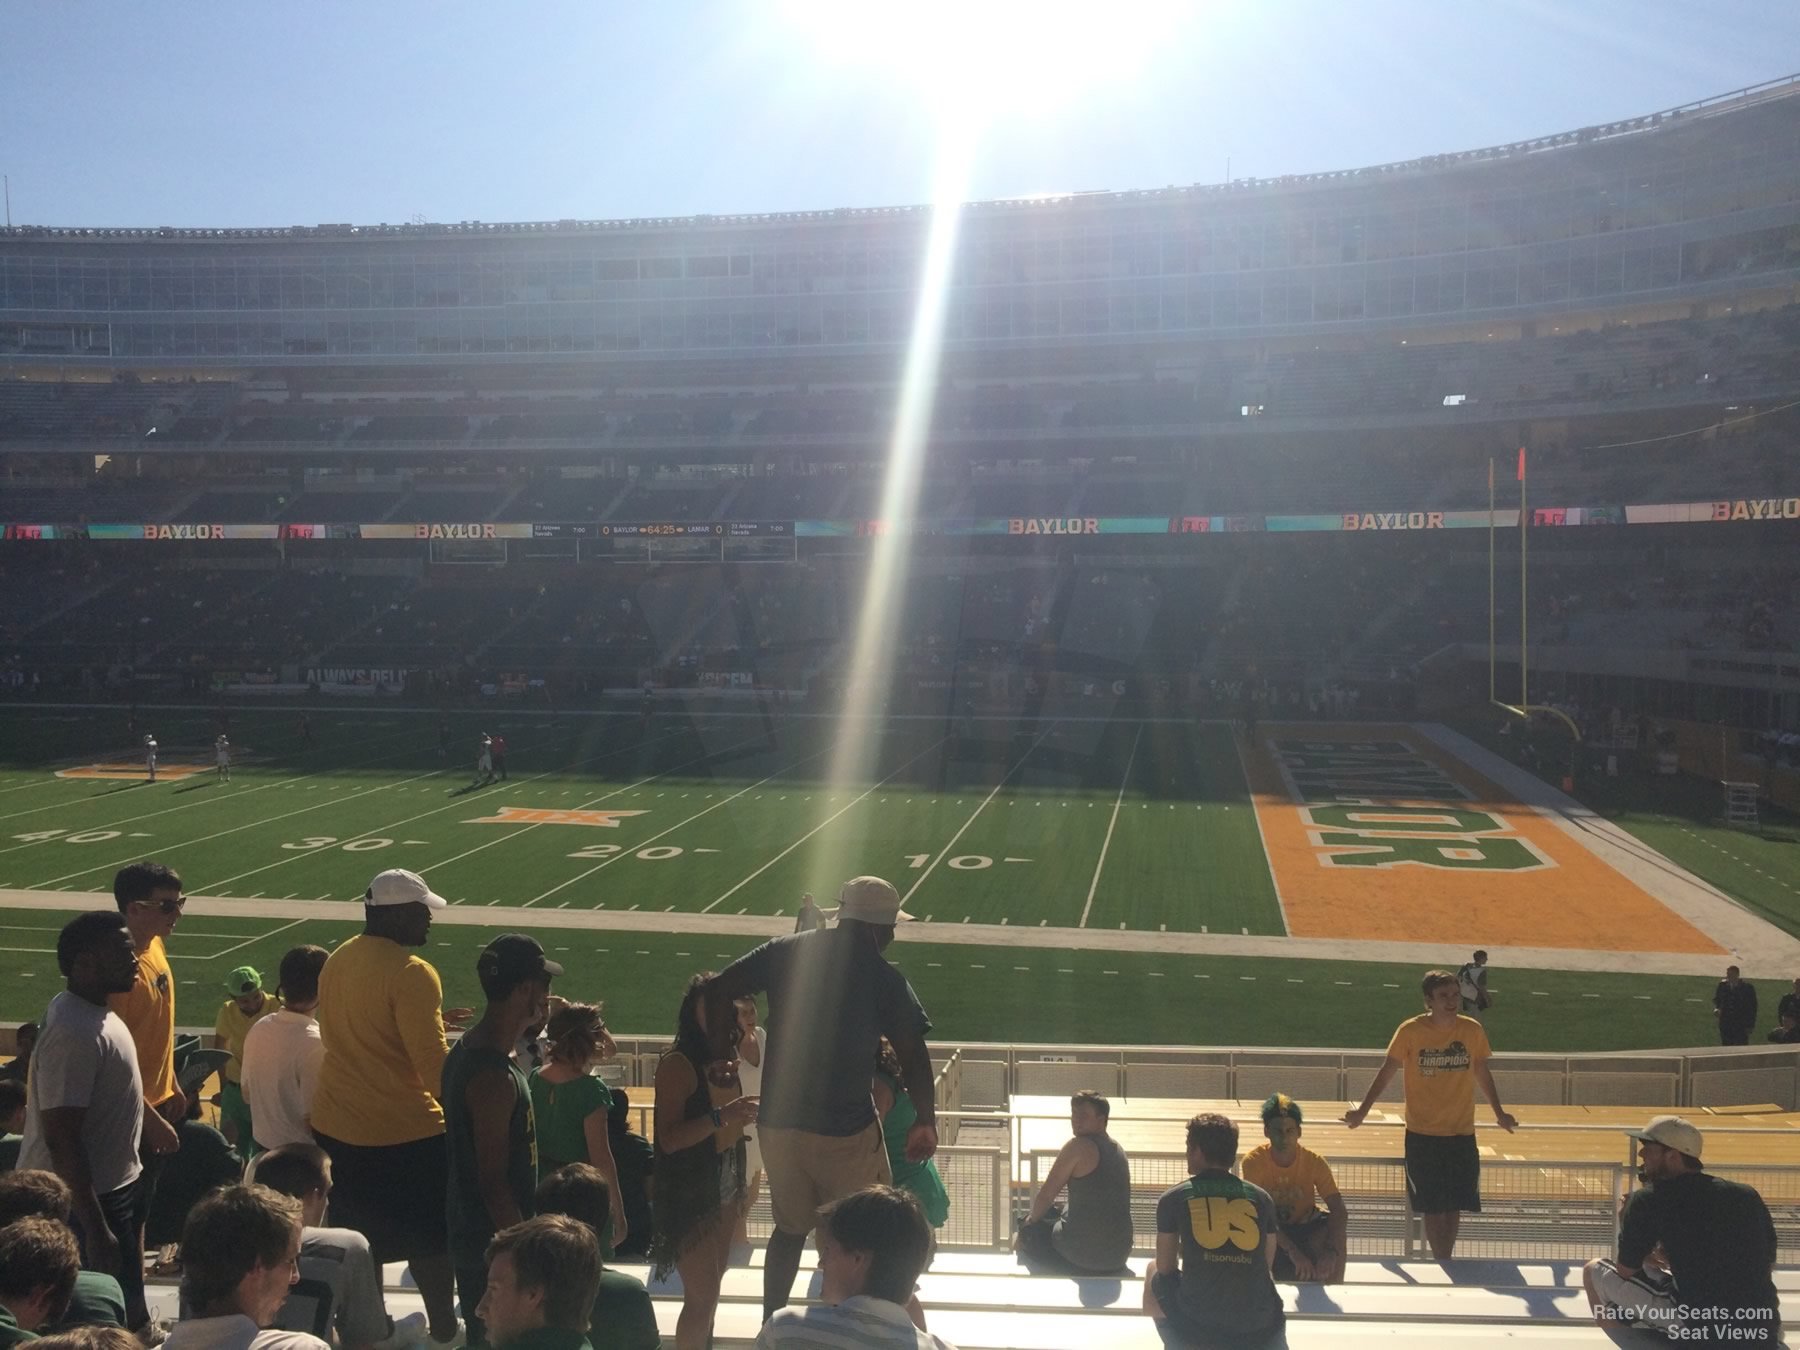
<point x="984" y="61"/>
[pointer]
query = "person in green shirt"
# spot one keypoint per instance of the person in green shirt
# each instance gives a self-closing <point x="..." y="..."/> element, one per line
<point x="570" y="1104"/>
<point x="39" y="1259"/>
<point x="542" y="1276"/>
<point x="622" y="1317"/>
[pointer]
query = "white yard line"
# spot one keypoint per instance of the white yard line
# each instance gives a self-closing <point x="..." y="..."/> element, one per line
<point x="1118" y="801"/>
<point x="582" y="876"/>
<point x="260" y="937"/>
<point x="932" y="866"/>
<point x="821" y="825"/>
<point x="1261" y="838"/>
<point x="377" y="831"/>
<point x="185" y="806"/>
<point x="590" y="803"/>
<point x="235" y="829"/>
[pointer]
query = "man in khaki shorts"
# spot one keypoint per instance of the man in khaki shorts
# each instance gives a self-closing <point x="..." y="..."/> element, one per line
<point x="832" y="997"/>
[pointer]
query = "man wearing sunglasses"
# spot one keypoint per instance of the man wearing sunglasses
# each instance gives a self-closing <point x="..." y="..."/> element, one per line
<point x="150" y="901"/>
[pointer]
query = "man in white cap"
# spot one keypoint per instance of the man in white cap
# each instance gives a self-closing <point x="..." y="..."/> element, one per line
<point x="1717" y="1244"/>
<point x="375" y="1111"/>
<point x="832" y="997"/>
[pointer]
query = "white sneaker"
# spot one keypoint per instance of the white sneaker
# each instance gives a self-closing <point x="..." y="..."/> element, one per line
<point x="412" y="1329"/>
<point x="457" y="1338"/>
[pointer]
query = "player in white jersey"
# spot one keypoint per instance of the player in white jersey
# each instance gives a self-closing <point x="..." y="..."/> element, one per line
<point x="150" y="756"/>
<point x="222" y="757"/>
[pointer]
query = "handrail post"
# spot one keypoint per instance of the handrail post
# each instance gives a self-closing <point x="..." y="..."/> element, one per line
<point x="1002" y="1203"/>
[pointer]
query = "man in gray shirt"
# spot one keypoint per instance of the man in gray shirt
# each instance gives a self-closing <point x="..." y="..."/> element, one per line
<point x="86" y="1110"/>
<point x="1215" y="1247"/>
<point x="832" y="997"/>
<point x="1094" y="1236"/>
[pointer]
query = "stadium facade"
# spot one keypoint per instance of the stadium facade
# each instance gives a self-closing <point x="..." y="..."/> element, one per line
<point x="1124" y="374"/>
<point x="1685" y="207"/>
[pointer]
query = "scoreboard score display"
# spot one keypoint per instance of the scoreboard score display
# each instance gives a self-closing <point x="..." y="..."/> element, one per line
<point x="699" y="529"/>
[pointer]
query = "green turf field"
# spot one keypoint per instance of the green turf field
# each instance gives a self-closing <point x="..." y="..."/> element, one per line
<point x="1072" y="825"/>
<point x="1106" y="825"/>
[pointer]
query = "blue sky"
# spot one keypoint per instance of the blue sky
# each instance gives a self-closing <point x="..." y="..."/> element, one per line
<point x="189" y="112"/>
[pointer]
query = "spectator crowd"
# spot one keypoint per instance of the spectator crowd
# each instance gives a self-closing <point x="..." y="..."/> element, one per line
<point x="502" y="1170"/>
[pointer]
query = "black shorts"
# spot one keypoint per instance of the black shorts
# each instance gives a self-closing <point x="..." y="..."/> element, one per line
<point x="1312" y="1237"/>
<point x="1179" y="1331"/>
<point x="393" y="1194"/>
<point x="1443" y="1173"/>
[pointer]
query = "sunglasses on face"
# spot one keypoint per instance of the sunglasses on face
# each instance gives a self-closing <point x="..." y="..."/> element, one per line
<point x="166" y="906"/>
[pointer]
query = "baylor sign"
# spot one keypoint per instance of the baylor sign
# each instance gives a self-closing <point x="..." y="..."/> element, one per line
<point x="1380" y="804"/>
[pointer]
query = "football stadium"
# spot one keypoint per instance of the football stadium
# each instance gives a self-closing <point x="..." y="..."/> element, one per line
<point x="1266" y="593"/>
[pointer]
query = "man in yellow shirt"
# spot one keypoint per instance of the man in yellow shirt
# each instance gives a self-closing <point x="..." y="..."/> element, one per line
<point x="150" y="901"/>
<point x="1445" y="1056"/>
<point x="1310" y="1244"/>
<point x="247" y="1006"/>
<point x="376" y="1111"/>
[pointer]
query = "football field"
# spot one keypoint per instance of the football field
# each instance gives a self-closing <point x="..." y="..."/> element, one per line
<point x="1076" y="878"/>
<point x="1066" y="825"/>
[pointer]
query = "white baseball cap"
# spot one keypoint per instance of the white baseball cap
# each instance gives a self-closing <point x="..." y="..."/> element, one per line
<point x="1671" y="1132"/>
<point x="871" y="900"/>
<point x="397" y="886"/>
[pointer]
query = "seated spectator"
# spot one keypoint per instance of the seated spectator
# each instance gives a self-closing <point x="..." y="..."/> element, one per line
<point x="622" y="1317"/>
<point x="635" y="1157"/>
<point x="1094" y="1236"/>
<point x="873" y="1245"/>
<point x="1715" y="1279"/>
<point x="542" y="1278"/>
<point x="240" y="1254"/>
<point x="97" y="1299"/>
<point x="1215" y="1247"/>
<point x="204" y="1162"/>
<point x="339" y="1288"/>
<point x="18" y="1068"/>
<point x="1311" y="1243"/>
<point x="282" y="1054"/>
<point x="12" y="1122"/>
<point x="39" y="1260"/>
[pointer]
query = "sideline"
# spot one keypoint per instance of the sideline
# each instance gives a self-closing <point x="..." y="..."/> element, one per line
<point x="1760" y="966"/>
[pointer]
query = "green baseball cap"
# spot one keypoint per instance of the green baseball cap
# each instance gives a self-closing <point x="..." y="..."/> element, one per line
<point x="243" y="980"/>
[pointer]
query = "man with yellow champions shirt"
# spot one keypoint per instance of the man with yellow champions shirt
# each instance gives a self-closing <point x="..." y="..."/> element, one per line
<point x="1444" y="1055"/>
<point x="1310" y="1243"/>
<point x="375" y="1111"/>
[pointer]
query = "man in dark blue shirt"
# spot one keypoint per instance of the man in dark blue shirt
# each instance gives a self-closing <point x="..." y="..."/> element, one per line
<point x="832" y="997"/>
<point x="1713" y="1280"/>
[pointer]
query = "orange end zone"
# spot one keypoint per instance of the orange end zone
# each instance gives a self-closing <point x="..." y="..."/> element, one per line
<point x="1375" y="832"/>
